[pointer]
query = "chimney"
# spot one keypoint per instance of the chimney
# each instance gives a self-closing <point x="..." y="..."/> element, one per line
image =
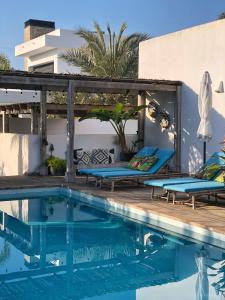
<point x="34" y="28"/>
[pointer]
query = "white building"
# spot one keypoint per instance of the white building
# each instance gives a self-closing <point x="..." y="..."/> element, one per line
<point x="44" y="45"/>
<point x="185" y="55"/>
<point x="42" y="49"/>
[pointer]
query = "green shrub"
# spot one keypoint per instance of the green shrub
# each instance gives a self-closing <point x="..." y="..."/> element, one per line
<point x="57" y="165"/>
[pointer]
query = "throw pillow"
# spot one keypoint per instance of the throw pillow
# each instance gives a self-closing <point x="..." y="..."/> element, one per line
<point x="134" y="162"/>
<point x="100" y="156"/>
<point x="208" y="172"/>
<point x="147" y="163"/>
<point x="83" y="158"/>
<point x="220" y="176"/>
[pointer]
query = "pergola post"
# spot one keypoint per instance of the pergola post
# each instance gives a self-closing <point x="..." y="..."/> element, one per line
<point x="177" y="137"/>
<point x="34" y="121"/>
<point x="5" y="122"/>
<point x="141" y="119"/>
<point x="43" y="126"/>
<point x="70" y="174"/>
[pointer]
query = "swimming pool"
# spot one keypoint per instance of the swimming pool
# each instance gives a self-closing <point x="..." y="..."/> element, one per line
<point x="54" y="245"/>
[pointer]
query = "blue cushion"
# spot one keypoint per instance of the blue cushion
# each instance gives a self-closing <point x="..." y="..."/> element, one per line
<point x="195" y="187"/>
<point x="217" y="158"/>
<point x="91" y="171"/>
<point x="164" y="156"/>
<point x="119" y="174"/>
<point x="146" y="151"/>
<point x="169" y="181"/>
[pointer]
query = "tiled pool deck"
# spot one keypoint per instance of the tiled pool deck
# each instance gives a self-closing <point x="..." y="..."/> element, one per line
<point x="208" y="215"/>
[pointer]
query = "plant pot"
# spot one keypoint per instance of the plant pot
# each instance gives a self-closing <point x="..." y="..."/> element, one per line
<point x="126" y="156"/>
<point x="55" y="172"/>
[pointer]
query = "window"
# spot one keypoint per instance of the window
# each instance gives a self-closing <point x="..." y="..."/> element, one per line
<point x="45" y="68"/>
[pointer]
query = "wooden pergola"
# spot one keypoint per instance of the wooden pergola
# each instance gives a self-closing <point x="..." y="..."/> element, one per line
<point x="73" y="83"/>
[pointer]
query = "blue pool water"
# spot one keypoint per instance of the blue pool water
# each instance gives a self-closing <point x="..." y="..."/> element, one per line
<point x="56" y="247"/>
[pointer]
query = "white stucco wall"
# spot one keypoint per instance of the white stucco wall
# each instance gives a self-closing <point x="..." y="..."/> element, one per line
<point x="19" y="153"/>
<point x="49" y="48"/>
<point x="89" y="134"/>
<point x="185" y="55"/>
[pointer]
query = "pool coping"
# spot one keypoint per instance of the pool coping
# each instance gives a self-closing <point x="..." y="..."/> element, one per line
<point x="194" y="231"/>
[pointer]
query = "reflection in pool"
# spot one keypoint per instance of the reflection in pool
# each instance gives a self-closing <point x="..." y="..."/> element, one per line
<point x="59" y="248"/>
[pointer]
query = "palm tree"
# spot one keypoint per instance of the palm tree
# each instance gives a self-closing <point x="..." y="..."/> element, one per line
<point x="107" y="55"/>
<point x="4" y="63"/>
<point x="221" y="16"/>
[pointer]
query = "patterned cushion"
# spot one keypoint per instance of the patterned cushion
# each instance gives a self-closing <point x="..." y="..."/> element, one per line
<point x="84" y="158"/>
<point x="220" y="176"/>
<point x="134" y="162"/>
<point x="208" y="172"/>
<point x="147" y="163"/>
<point x="100" y="156"/>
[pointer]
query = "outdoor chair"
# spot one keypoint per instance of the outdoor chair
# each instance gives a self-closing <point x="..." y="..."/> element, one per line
<point x="164" y="156"/>
<point x="191" y="186"/>
<point x="146" y="151"/>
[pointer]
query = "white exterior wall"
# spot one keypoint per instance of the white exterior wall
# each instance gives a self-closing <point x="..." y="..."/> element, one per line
<point x="185" y="55"/>
<point x="89" y="134"/>
<point x="19" y="153"/>
<point x="49" y="48"/>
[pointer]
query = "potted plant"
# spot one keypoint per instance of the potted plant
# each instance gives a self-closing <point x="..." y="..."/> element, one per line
<point x="118" y="118"/>
<point x="56" y="166"/>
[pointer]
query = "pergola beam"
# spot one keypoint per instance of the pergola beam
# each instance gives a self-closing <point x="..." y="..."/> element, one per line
<point x="43" y="126"/>
<point x="59" y="82"/>
<point x="5" y="122"/>
<point x="177" y="135"/>
<point x="141" y="119"/>
<point x="34" y="121"/>
<point x="69" y="177"/>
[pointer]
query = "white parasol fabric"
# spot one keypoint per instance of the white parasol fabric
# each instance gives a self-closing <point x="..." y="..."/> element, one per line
<point x="204" y="107"/>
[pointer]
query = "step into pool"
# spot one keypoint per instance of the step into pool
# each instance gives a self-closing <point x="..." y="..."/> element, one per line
<point x="53" y="245"/>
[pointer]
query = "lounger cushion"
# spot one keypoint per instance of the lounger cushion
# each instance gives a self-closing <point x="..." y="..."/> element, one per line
<point x="164" y="156"/>
<point x="220" y="176"/>
<point x="208" y="172"/>
<point x="91" y="171"/>
<point x="162" y="182"/>
<point x="147" y="163"/>
<point x="146" y="151"/>
<point x="195" y="186"/>
<point x="134" y="162"/>
<point x="119" y="174"/>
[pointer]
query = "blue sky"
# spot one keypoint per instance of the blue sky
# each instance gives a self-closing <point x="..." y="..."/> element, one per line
<point x="155" y="17"/>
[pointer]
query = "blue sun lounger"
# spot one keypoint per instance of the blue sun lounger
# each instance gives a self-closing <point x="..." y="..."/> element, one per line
<point x="164" y="156"/>
<point x="188" y="182"/>
<point x="146" y="151"/>
<point x="195" y="189"/>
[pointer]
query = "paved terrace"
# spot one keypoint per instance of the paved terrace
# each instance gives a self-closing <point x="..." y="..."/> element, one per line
<point x="207" y="214"/>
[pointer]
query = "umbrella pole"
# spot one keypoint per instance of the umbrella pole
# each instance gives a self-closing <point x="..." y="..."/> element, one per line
<point x="204" y="152"/>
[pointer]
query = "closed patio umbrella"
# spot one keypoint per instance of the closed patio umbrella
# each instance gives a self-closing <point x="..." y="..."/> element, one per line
<point x="204" y="107"/>
<point x="202" y="283"/>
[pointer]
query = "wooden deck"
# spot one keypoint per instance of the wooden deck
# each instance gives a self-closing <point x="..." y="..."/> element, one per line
<point x="208" y="215"/>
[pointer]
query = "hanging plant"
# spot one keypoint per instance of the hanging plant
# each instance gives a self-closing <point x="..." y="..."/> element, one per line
<point x="152" y="109"/>
<point x="164" y="120"/>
